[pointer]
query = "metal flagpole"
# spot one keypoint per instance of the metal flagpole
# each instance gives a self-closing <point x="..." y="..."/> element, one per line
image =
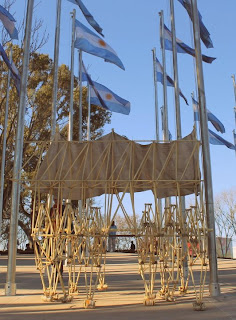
<point x="89" y="114"/>
<point x="80" y="114"/>
<point x="233" y="76"/>
<point x="4" y="143"/>
<point x="155" y="87"/>
<point x="10" y="287"/>
<point x="178" y="116"/>
<point x="214" y="284"/>
<point x="165" y="107"/>
<point x="156" y="115"/>
<point x="195" y="122"/>
<point x="234" y="135"/>
<point x="70" y="130"/>
<point x="80" y="96"/>
<point x="55" y="69"/>
<point x="176" y="78"/>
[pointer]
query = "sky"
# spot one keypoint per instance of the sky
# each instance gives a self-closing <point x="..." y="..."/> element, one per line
<point x="131" y="28"/>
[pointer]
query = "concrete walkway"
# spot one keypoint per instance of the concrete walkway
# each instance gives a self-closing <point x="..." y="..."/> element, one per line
<point x="123" y="299"/>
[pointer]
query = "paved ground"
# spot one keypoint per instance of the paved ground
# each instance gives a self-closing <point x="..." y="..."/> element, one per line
<point x="123" y="300"/>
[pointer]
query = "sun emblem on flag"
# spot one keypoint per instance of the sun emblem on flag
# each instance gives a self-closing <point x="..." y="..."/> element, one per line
<point x="102" y="43"/>
<point x="108" y="96"/>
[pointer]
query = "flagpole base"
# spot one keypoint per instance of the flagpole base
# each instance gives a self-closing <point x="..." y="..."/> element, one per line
<point x="214" y="289"/>
<point x="10" y="289"/>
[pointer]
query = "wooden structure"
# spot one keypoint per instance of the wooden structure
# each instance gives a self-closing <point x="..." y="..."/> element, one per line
<point x="111" y="168"/>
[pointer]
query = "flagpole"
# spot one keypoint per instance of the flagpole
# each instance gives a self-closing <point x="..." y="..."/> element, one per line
<point x="71" y="112"/>
<point x="165" y="108"/>
<point x="80" y="95"/>
<point x="233" y="77"/>
<point x="4" y="144"/>
<point x="89" y="114"/>
<point x="55" y="69"/>
<point x="178" y="119"/>
<point x="80" y="114"/>
<point x="234" y="134"/>
<point x="156" y="97"/>
<point x="214" y="284"/>
<point x="176" y="78"/>
<point x="156" y="115"/>
<point x="10" y="287"/>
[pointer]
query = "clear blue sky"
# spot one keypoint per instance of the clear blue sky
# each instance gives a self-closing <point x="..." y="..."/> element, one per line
<point x="131" y="27"/>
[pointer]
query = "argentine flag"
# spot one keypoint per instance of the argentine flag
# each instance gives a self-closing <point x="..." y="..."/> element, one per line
<point x="217" y="140"/>
<point x="211" y="117"/>
<point x="8" y="22"/>
<point x="170" y="82"/>
<point x="88" y="16"/>
<point x="88" y="41"/>
<point x="111" y="100"/>
<point x="181" y="47"/>
<point x="204" y="33"/>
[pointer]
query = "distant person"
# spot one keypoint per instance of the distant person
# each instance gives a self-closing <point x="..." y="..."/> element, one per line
<point x="112" y="238"/>
<point x="132" y="247"/>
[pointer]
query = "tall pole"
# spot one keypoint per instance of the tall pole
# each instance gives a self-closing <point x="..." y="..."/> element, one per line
<point x="55" y="69"/>
<point x="214" y="284"/>
<point x="156" y="116"/>
<point x="176" y="77"/>
<point x="165" y="108"/>
<point x="4" y="143"/>
<point x="156" y="98"/>
<point x="80" y="96"/>
<point x="89" y="114"/>
<point x="234" y="134"/>
<point x="70" y="130"/>
<point x="10" y="288"/>
<point x="233" y="76"/>
<point x="178" y="121"/>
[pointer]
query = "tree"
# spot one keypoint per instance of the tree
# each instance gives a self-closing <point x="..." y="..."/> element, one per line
<point x="38" y="116"/>
<point x="225" y="217"/>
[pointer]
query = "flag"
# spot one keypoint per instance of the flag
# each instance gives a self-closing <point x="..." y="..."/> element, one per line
<point x="88" y="41"/>
<point x="14" y="72"/>
<point x="8" y="22"/>
<point x="211" y="117"/>
<point x="217" y="140"/>
<point x="105" y="98"/>
<point x="95" y="90"/>
<point x="112" y="101"/>
<point x="181" y="47"/>
<point x="204" y="33"/>
<point x="84" y="74"/>
<point x="170" y="82"/>
<point x="88" y="16"/>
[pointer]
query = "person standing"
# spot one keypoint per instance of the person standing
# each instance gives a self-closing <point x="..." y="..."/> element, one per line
<point x="112" y="237"/>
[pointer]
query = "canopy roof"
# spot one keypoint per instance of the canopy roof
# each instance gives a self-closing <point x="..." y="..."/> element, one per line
<point x="111" y="164"/>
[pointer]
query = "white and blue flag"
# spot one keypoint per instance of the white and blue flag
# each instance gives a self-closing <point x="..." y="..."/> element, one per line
<point x="112" y="101"/>
<point x="88" y="16"/>
<point x="105" y="98"/>
<point x="86" y="40"/>
<point x="211" y="117"/>
<point x="217" y="140"/>
<point x="204" y="33"/>
<point x="181" y="47"/>
<point x="170" y="82"/>
<point x="8" y="22"/>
